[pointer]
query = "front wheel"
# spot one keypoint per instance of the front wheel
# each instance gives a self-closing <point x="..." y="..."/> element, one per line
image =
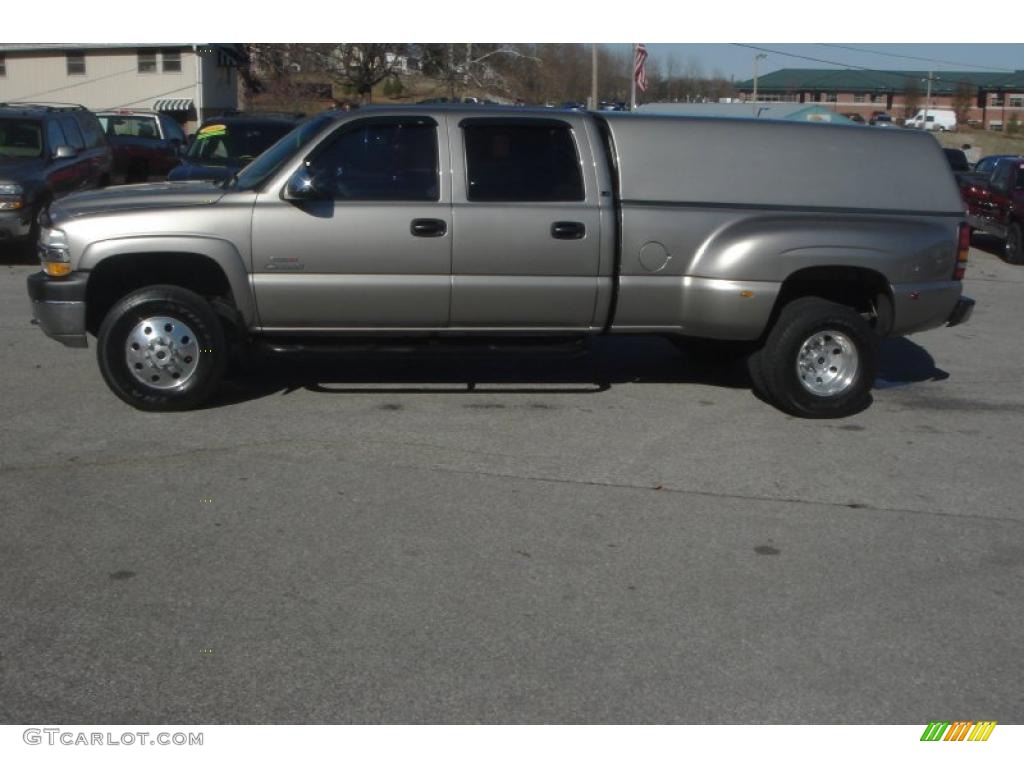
<point x="819" y="361"/>
<point x="162" y="348"/>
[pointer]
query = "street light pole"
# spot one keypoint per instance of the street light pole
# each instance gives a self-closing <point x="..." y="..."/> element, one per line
<point x="757" y="57"/>
<point x="927" y="100"/>
<point x="593" y="76"/>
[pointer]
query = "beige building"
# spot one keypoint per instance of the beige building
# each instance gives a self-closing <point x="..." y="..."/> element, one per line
<point x="188" y="81"/>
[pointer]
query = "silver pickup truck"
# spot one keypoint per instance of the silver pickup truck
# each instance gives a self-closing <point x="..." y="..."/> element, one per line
<point x="806" y="242"/>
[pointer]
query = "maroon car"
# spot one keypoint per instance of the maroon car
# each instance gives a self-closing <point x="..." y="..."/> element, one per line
<point x="995" y="205"/>
<point x="145" y="143"/>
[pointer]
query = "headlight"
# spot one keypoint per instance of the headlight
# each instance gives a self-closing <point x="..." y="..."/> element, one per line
<point x="10" y="196"/>
<point x="55" y="258"/>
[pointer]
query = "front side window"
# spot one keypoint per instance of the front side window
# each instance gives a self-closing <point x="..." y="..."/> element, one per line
<point x="147" y="62"/>
<point x="267" y="164"/>
<point x="72" y="132"/>
<point x="76" y="62"/>
<point x="1001" y="178"/>
<point x="55" y="136"/>
<point x="380" y="160"/>
<point x="522" y="162"/>
<point x="20" y="138"/>
<point x="91" y="130"/>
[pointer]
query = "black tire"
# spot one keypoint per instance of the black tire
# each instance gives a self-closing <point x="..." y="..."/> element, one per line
<point x="755" y="369"/>
<point x="207" y="335"/>
<point x="776" y="364"/>
<point x="1014" y="245"/>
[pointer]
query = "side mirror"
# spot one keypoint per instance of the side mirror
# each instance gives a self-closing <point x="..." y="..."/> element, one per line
<point x="304" y="186"/>
<point x="64" y="152"/>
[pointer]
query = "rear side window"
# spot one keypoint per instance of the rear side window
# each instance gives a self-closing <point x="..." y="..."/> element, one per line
<point x="522" y="163"/>
<point x="387" y="160"/>
<point x="72" y="132"/>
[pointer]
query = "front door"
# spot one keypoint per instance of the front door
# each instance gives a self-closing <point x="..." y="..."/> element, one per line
<point x="527" y="220"/>
<point x="377" y="254"/>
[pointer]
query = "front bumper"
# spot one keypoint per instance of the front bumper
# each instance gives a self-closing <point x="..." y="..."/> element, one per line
<point x="58" y="306"/>
<point x="961" y="312"/>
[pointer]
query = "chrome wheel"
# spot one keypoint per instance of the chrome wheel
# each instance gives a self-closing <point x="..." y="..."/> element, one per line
<point x="162" y="352"/>
<point x="827" y="363"/>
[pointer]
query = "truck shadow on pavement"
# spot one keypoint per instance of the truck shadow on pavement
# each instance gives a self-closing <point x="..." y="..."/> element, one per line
<point x="595" y="368"/>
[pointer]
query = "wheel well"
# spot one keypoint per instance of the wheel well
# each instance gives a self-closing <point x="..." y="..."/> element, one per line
<point x="859" y="288"/>
<point x="118" y="276"/>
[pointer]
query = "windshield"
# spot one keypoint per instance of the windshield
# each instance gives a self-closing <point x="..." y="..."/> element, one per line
<point x="270" y="161"/>
<point x="20" y="138"/>
<point x="234" y="143"/>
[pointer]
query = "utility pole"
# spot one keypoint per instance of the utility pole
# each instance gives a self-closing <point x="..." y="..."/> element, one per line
<point x="757" y="57"/>
<point x="593" y="76"/>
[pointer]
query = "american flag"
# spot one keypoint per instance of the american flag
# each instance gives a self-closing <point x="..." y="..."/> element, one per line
<point x="639" y="72"/>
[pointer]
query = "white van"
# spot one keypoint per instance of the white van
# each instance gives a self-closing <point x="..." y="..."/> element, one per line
<point x="938" y="120"/>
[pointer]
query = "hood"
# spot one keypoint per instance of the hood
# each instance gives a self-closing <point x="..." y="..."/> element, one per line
<point x="164" y="194"/>
<point x="193" y="171"/>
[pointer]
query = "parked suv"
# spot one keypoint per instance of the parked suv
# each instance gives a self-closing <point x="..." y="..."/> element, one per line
<point x="144" y="143"/>
<point x="224" y="145"/>
<point x="46" y="151"/>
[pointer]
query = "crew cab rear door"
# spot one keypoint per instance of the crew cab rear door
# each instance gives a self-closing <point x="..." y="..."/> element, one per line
<point x="526" y="217"/>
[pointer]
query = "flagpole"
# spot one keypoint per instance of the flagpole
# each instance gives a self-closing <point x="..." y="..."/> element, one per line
<point x="632" y="81"/>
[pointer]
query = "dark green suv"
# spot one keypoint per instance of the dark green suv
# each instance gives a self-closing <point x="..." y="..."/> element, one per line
<point x="46" y="151"/>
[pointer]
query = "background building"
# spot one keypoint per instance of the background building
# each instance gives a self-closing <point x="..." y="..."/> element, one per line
<point x="189" y="81"/>
<point x="992" y="100"/>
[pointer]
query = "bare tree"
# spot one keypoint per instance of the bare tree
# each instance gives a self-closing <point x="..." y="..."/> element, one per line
<point x="911" y="98"/>
<point x="963" y="100"/>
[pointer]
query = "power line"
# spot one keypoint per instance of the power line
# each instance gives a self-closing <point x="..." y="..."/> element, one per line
<point x="77" y="84"/>
<point x="917" y="58"/>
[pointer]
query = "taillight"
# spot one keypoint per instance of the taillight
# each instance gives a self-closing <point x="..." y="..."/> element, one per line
<point x="963" y="248"/>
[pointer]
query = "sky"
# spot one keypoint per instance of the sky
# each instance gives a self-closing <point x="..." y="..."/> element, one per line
<point x="737" y="62"/>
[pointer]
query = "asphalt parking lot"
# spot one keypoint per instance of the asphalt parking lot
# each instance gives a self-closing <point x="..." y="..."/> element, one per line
<point x="616" y="537"/>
